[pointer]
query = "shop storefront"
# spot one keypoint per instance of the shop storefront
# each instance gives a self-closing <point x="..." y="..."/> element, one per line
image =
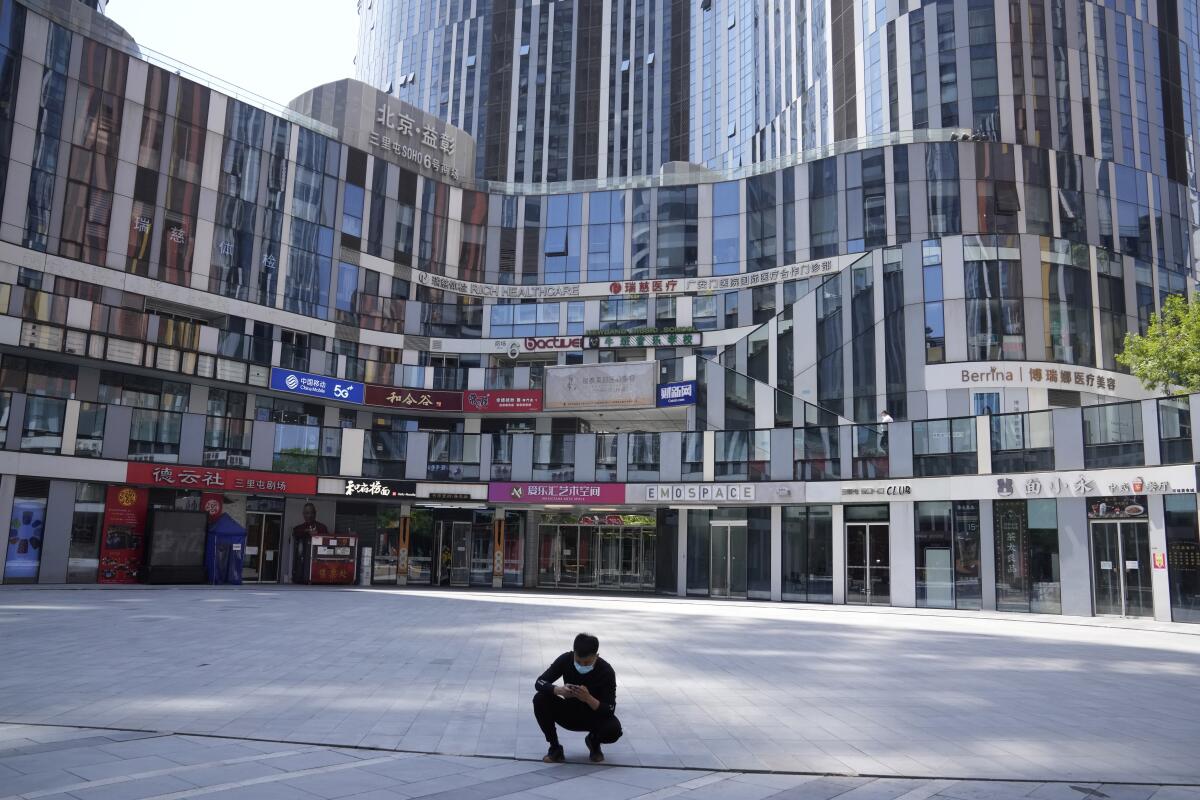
<point x="597" y="550"/>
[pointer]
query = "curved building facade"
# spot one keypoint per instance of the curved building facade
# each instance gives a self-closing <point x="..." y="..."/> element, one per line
<point x="870" y="363"/>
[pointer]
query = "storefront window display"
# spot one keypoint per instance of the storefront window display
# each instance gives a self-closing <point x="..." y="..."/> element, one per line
<point x="1183" y="557"/>
<point x="84" y="558"/>
<point x="947" y="554"/>
<point x="1027" y="561"/>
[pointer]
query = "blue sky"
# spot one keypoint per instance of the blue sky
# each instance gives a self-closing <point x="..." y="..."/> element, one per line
<point x="274" y="48"/>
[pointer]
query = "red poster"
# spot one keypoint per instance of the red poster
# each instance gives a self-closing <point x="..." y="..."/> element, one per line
<point x="503" y="401"/>
<point x="211" y="479"/>
<point x="414" y="399"/>
<point x="123" y="537"/>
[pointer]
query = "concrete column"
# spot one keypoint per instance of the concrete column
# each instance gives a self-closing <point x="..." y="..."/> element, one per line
<point x="117" y="423"/>
<point x="417" y="452"/>
<point x="56" y="535"/>
<point x="16" y="424"/>
<point x="680" y="554"/>
<point x="987" y="555"/>
<point x="1074" y="556"/>
<point x="904" y="555"/>
<point x="983" y="443"/>
<point x="70" y="428"/>
<point x="351" y="463"/>
<point x="839" y="554"/>
<point x="262" y="444"/>
<point x="1159" y="582"/>
<point x="777" y="553"/>
<point x="8" y="486"/>
<point x="1149" y="410"/>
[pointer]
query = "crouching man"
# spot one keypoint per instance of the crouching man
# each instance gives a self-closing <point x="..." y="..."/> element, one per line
<point x="586" y="701"/>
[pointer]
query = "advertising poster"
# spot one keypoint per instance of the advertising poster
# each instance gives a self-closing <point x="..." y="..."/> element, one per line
<point x="625" y="384"/>
<point x="25" y="537"/>
<point x="123" y="535"/>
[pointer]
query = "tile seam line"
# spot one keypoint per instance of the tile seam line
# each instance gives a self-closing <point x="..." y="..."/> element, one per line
<point x="684" y="768"/>
<point x="898" y="611"/>
<point x="137" y="776"/>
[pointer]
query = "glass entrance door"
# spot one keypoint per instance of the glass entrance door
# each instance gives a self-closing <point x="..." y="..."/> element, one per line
<point x="261" y="559"/>
<point x="385" y="559"/>
<point x="1121" y="569"/>
<point x="481" y="554"/>
<point x="868" y="564"/>
<point x="727" y="559"/>
<point x="460" y="554"/>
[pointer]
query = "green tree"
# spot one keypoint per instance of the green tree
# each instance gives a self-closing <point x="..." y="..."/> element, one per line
<point x="1167" y="357"/>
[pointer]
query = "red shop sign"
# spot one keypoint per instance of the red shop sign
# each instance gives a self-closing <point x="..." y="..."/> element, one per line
<point x="500" y="401"/>
<point x="415" y="399"/>
<point x="210" y="479"/>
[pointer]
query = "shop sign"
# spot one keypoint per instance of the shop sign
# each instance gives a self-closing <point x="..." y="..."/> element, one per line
<point x="1032" y="375"/>
<point x="891" y="490"/>
<point x="681" y="393"/>
<point x="213" y="479"/>
<point x="700" y="492"/>
<point x="1160" y="559"/>
<point x="415" y="399"/>
<point x="381" y="489"/>
<point x="807" y="269"/>
<point x="503" y="401"/>
<point x="288" y="380"/>
<point x="601" y="386"/>
<point x="398" y="133"/>
<point x="573" y="493"/>
<point x="1116" y="507"/>
<point x="686" y="339"/>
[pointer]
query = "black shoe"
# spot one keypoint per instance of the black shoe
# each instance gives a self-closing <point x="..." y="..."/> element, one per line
<point x="554" y="755"/>
<point x="594" y="752"/>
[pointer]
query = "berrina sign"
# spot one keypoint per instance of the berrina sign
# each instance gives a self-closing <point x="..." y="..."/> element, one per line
<point x="1032" y="375"/>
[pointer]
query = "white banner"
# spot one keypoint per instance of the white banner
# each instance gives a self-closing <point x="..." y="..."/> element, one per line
<point x="601" y="386"/>
<point x="570" y="291"/>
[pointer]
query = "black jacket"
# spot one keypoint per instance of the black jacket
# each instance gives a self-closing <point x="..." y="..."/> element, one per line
<point x="601" y="681"/>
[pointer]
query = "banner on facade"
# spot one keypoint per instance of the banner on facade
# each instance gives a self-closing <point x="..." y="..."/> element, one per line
<point x="210" y="479"/>
<point x="319" y="386"/>
<point x="1033" y="375"/>
<point x="557" y="493"/>
<point x="502" y="401"/>
<point x="627" y="384"/>
<point x="123" y="535"/>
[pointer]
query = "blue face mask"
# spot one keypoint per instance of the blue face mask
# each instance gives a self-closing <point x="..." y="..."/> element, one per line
<point x="582" y="670"/>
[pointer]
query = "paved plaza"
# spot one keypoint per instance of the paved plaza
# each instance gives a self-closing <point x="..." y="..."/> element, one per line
<point x="289" y="692"/>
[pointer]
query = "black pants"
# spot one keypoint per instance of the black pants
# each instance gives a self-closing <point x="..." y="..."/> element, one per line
<point x="573" y="715"/>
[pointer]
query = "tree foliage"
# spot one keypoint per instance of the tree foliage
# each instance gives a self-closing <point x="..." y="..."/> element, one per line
<point x="1167" y="357"/>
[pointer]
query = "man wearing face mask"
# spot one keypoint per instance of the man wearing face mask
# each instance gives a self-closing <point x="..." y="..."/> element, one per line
<point x="586" y="701"/>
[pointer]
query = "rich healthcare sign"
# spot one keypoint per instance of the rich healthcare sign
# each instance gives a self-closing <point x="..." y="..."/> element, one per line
<point x="557" y="493"/>
<point x="319" y="386"/>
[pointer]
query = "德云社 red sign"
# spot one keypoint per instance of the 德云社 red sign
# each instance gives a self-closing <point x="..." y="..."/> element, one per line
<point x="480" y="401"/>
<point x="501" y="401"/>
<point x="415" y="399"/>
<point x="212" y="479"/>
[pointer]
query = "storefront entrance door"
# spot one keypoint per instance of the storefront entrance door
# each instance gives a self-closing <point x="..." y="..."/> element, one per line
<point x="460" y="554"/>
<point x="261" y="561"/>
<point x="1121" y="569"/>
<point x="727" y="564"/>
<point x="868" y="564"/>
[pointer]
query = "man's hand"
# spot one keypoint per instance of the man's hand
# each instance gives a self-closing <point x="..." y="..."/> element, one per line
<point x="563" y="691"/>
<point x="582" y="694"/>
